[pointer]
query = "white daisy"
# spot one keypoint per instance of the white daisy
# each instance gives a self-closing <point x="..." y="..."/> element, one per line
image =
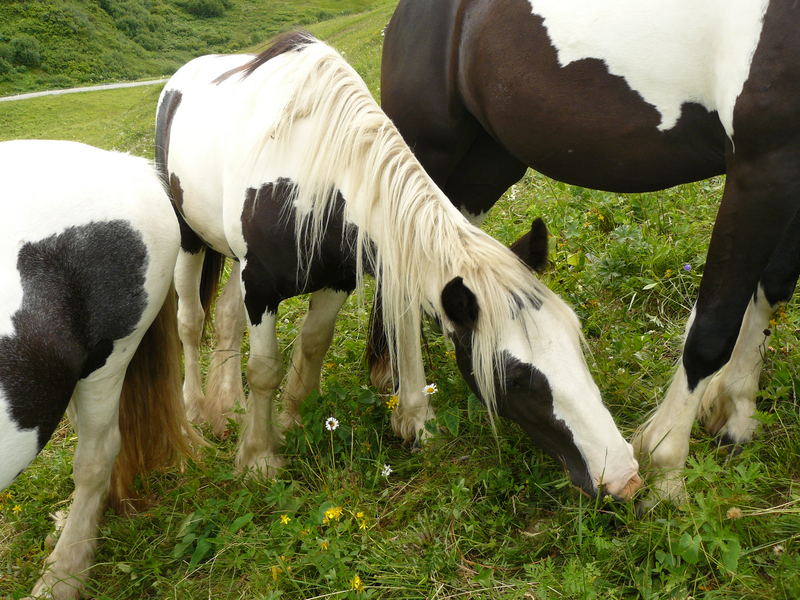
<point x="331" y="423"/>
<point x="430" y="389"/>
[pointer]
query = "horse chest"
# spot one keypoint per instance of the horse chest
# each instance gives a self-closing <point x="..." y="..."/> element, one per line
<point x="670" y="53"/>
<point x="278" y="261"/>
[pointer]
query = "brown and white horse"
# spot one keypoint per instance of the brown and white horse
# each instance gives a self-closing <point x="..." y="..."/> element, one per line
<point x="627" y="96"/>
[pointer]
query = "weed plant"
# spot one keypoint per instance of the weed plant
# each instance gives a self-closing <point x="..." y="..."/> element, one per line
<point x="355" y="514"/>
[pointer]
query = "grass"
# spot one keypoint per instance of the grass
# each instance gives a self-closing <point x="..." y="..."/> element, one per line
<point x="47" y="45"/>
<point x="472" y="516"/>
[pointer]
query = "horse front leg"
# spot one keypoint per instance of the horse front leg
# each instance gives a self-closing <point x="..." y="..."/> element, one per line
<point x="729" y="402"/>
<point x="188" y="271"/>
<point x="258" y="445"/>
<point x="414" y="409"/>
<point x="96" y="408"/>
<point x="758" y="202"/>
<point x="309" y="352"/>
<point x="224" y="390"/>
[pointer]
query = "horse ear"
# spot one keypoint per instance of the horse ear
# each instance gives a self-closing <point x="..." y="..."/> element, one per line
<point x="460" y="304"/>
<point x="531" y="248"/>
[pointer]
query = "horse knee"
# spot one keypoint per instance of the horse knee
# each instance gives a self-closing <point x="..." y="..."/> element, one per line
<point x="708" y="347"/>
<point x="263" y="374"/>
<point x="190" y="322"/>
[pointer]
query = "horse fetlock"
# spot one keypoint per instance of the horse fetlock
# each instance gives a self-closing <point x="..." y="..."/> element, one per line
<point x="380" y="375"/>
<point x="740" y="427"/>
<point x="193" y="402"/>
<point x="258" y="463"/>
<point x="57" y="584"/>
<point x="659" y="446"/>
<point x="410" y="424"/>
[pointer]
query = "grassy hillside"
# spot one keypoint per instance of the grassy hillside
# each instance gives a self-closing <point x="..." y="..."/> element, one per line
<point x="46" y="44"/>
<point x="472" y="516"/>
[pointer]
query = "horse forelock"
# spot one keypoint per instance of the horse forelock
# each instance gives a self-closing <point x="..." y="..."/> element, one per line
<point x="410" y="235"/>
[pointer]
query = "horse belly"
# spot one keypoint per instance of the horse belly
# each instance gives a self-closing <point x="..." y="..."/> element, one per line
<point x="18" y="446"/>
<point x="622" y="95"/>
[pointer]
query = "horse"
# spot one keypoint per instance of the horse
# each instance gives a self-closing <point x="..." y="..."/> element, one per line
<point x="87" y="325"/>
<point x="627" y="96"/>
<point x="284" y="162"/>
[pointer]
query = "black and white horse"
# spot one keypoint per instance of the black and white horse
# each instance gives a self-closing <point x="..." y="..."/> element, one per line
<point x="627" y="96"/>
<point x="284" y="162"/>
<point x="87" y="320"/>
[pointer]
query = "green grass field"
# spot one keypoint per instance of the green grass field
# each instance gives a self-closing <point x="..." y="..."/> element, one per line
<point x="473" y="515"/>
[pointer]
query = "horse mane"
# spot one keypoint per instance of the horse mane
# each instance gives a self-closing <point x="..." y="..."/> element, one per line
<point x="414" y="228"/>
<point x="285" y="42"/>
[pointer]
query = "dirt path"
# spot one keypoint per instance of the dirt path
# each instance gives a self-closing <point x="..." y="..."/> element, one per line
<point x="92" y="88"/>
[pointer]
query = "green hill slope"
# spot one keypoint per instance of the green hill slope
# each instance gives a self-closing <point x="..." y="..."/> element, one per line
<point x="46" y="44"/>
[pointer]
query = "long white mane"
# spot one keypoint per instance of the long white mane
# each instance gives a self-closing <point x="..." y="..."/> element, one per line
<point x="421" y="241"/>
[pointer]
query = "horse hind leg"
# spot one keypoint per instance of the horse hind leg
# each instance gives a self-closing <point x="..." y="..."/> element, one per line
<point x="224" y="390"/>
<point x="96" y="406"/>
<point x="309" y="352"/>
<point x="188" y="271"/>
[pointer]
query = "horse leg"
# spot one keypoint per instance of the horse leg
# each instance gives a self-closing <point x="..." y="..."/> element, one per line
<point x="258" y="443"/>
<point x="224" y="390"/>
<point x="309" y="351"/>
<point x="414" y="409"/>
<point x="96" y="407"/>
<point x="188" y="270"/>
<point x="757" y="204"/>
<point x="729" y="402"/>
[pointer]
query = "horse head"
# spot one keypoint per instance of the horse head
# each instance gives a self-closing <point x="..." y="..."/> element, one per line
<point x="541" y="380"/>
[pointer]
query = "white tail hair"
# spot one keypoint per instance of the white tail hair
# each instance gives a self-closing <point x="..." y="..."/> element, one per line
<point x="421" y="241"/>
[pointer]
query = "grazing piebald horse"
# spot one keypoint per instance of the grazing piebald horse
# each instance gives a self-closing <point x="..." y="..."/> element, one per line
<point x="627" y="96"/>
<point x="87" y="319"/>
<point x="284" y="162"/>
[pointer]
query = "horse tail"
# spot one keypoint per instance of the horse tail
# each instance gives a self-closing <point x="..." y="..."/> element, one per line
<point x="209" y="281"/>
<point x="377" y="351"/>
<point x="153" y="426"/>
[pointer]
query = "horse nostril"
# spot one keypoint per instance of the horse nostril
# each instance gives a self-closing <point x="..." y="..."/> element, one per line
<point x="633" y="485"/>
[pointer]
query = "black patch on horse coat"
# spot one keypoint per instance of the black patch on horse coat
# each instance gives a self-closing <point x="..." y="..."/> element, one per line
<point x="478" y="93"/>
<point x="82" y="290"/>
<point x="190" y="242"/>
<point x="291" y="41"/>
<point x="271" y="271"/>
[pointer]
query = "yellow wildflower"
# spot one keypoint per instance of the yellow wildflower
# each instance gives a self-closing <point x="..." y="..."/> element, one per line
<point x="332" y="514"/>
<point x="363" y="525"/>
<point x="359" y="515"/>
<point x="324" y="544"/>
<point x="275" y="572"/>
<point x="17" y="508"/>
<point x="392" y="402"/>
<point x="285" y="519"/>
<point x="358" y="585"/>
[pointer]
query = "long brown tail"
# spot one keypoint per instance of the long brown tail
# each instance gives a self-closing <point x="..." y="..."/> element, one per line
<point x="155" y="432"/>
<point x="209" y="281"/>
